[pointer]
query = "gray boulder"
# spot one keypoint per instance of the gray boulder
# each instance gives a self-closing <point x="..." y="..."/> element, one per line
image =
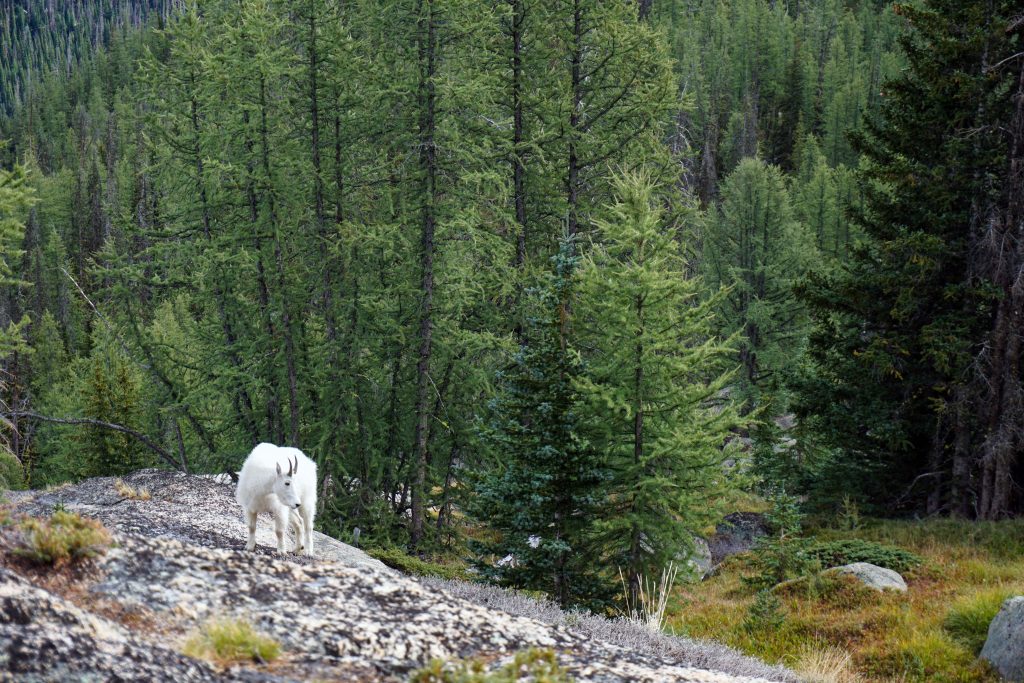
<point x="698" y="559"/>
<point x="1004" y="647"/>
<point x="873" y="576"/>
<point x="737" y="533"/>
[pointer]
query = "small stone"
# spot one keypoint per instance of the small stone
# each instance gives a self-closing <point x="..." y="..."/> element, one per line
<point x="873" y="576"/>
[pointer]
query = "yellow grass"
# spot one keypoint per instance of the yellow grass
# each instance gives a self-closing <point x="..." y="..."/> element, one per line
<point x="840" y="632"/>
<point x="130" y="492"/>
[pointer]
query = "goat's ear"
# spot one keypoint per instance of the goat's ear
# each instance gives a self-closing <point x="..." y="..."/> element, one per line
<point x="278" y="469"/>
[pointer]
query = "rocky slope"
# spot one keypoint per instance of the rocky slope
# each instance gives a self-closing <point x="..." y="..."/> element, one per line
<point x="179" y="561"/>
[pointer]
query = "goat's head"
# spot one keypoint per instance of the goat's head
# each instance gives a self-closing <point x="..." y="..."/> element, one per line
<point x="284" y="486"/>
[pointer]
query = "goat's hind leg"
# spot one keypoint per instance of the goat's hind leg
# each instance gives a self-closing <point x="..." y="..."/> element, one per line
<point x="307" y="529"/>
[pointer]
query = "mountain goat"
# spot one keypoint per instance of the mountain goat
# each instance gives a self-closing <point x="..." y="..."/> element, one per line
<point x="281" y="481"/>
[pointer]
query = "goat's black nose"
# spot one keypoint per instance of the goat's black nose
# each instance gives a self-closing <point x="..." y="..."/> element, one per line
<point x="297" y="505"/>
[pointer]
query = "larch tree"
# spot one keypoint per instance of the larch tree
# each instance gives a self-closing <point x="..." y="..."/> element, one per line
<point x="654" y="385"/>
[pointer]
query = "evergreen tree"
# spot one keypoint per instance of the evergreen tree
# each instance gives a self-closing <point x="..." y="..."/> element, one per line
<point x="919" y="379"/>
<point x="655" y="384"/>
<point x="756" y="249"/>
<point x="546" y="491"/>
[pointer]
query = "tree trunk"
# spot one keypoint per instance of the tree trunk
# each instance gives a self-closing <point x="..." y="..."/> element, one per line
<point x="428" y="167"/>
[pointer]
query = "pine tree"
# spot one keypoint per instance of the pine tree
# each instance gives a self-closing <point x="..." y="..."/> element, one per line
<point x="545" y="494"/>
<point x="654" y="385"/>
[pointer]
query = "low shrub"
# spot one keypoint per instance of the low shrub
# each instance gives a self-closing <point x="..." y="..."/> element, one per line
<point x="538" y="666"/>
<point x="64" y="537"/>
<point x="407" y="564"/>
<point x="968" y="620"/>
<point x="847" y="551"/>
<point x="765" y="613"/>
<point x="228" y="641"/>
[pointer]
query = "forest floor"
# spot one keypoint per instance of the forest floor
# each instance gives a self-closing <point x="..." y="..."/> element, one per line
<point x="833" y="632"/>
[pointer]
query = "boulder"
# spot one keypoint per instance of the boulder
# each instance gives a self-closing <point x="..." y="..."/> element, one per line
<point x="178" y="561"/>
<point x="1004" y="647"/>
<point x="737" y="533"/>
<point x="698" y="559"/>
<point x="873" y="576"/>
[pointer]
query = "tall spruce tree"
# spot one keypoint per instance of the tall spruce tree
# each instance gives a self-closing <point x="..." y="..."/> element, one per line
<point x="919" y="374"/>
<point x="654" y="387"/>
<point x="546" y="491"/>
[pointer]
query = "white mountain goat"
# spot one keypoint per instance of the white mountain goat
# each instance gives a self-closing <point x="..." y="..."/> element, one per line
<point x="281" y="481"/>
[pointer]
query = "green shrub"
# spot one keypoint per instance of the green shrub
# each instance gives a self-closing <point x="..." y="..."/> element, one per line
<point x="228" y="641"/>
<point x="407" y="564"/>
<point x="847" y="551"/>
<point x="12" y="476"/>
<point x="968" y="620"/>
<point x="64" y="537"/>
<point x="765" y="613"/>
<point x="537" y="666"/>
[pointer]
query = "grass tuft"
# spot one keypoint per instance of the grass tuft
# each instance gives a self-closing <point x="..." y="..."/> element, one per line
<point x="968" y="620"/>
<point x="64" y="537"/>
<point x="828" y="664"/>
<point x="229" y="641"/>
<point x="652" y="599"/>
<point x="131" y="493"/>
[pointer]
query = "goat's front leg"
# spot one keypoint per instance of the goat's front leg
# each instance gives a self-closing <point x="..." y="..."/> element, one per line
<point x="250" y="518"/>
<point x="295" y="526"/>
<point x="307" y="530"/>
<point x="280" y="522"/>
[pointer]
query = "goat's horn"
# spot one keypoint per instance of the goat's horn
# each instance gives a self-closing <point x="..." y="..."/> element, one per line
<point x="289" y="467"/>
<point x="296" y="464"/>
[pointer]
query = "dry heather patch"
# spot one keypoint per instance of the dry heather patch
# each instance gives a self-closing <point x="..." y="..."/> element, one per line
<point x="130" y="492"/>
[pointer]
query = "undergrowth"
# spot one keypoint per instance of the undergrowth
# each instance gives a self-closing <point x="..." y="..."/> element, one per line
<point x="407" y="564"/>
<point x="959" y="572"/>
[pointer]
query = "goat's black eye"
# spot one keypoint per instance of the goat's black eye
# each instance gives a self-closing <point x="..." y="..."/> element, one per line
<point x="287" y="483"/>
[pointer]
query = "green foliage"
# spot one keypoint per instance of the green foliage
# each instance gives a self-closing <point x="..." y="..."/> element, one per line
<point x="12" y="475"/>
<point x="765" y="614"/>
<point x="902" y="334"/>
<point x="545" y="494"/>
<point x="408" y="564"/>
<point x="231" y="641"/>
<point x="783" y="555"/>
<point x="756" y="249"/>
<point x="655" y="384"/>
<point x="538" y="665"/>
<point x="63" y="538"/>
<point x="967" y="621"/>
<point x="847" y="551"/>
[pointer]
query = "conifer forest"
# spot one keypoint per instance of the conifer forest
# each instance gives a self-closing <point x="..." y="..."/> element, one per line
<point x="555" y="279"/>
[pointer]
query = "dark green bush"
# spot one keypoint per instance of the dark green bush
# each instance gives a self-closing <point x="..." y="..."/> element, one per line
<point x="838" y="553"/>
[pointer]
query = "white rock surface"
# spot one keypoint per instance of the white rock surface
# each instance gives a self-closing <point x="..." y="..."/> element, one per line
<point x="873" y="576"/>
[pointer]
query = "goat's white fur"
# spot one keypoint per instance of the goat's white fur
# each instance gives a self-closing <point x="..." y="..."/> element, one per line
<point x="281" y="481"/>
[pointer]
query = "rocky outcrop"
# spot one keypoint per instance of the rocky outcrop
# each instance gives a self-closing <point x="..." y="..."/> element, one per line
<point x="737" y="533"/>
<point x="873" y="576"/>
<point x="1004" y="647"/>
<point x="179" y="560"/>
